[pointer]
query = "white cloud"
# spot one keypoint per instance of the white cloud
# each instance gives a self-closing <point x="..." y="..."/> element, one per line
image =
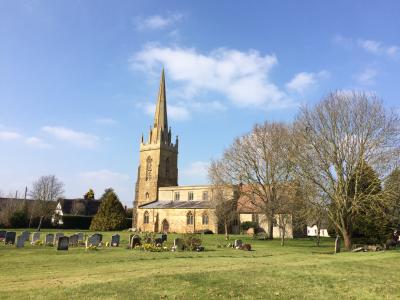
<point x="367" y="76"/>
<point x="378" y="48"/>
<point x="195" y="173"/>
<point x="105" y="121"/>
<point x="78" y="138"/>
<point x="304" y="81"/>
<point x="36" y="142"/>
<point x="158" y="21"/>
<point x="9" y="135"/>
<point x="242" y="77"/>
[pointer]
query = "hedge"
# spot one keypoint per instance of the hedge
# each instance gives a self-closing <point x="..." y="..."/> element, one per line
<point x="76" y="222"/>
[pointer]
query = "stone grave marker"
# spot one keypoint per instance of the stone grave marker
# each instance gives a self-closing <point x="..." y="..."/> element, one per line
<point x="80" y="237"/>
<point x="115" y="240"/>
<point x="134" y="241"/>
<point x="35" y="237"/>
<point x="73" y="240"/>
<point x="2" y="235"/>
<point x="94" y="239"/>
<point x="20" y="241"/>
<point x="178" y="244"/>
<point x="57" y="236"/>
<point x="25" y="235"/>
<point x="164" y="237"/>
<point x="49" y="239"/>
<point x="238" y="243"/>
<point x="337" y="245"/>
<point x="63" y="243"/>
<point x="10" y="237"/>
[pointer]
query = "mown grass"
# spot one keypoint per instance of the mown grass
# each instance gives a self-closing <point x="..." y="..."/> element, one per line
<point x="297" y="271"/>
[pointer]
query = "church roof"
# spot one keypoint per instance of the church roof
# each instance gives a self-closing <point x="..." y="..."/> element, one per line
<point x="178" y="204"/>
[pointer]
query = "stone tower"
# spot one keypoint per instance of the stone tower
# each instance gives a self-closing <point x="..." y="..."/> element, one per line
<point x="158" y="155"/>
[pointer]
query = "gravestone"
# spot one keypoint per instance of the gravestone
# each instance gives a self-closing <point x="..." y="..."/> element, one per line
<point x="115" y="240"/>
<point x="178" y="244"/>
<point x="63" y="243"/>
<point x="35" y="237"/>
<point x="20" y="241"/>
<point x="134" y="241"/>
<point x="2" y="235"/>
<point x="337" y="245"/>
<point x="57" y="236"/>
<point x="94" y="240"/>
<point x="25" y="235"/>
<point x="49" y="239"/>
<point x="238" y="244"/>
<point x="164" y="237"/>
<point x="10" y="237"/>
<point x="80" y="237"/>
<point x="73" y="240"/>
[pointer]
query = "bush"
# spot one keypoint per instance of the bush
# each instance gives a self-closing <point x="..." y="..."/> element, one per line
<point x="18" y="219"/>
<point x="76" y="222"/>
<point x="111" y="214"/>
<point x="205" y="231"/>
<point x="247" y="225"/>
<point x="191" y="241"/>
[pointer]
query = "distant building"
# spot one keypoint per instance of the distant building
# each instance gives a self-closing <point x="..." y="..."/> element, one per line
<point x="313" y="231"/>
<point x="75" y="207"/>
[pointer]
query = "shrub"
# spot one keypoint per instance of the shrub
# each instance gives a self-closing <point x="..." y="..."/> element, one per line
<point x="111" y="214"/>
<point x="191" y="241"/>
<point x="247" y="225"/>
<point x="76" y="222"/>
<point x="18" y="219"/>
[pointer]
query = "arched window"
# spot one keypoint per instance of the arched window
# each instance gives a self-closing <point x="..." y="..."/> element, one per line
<point x="146" y="218"/>
<point x="147" y="196"/>
<point x="204" y="219"/>
<point x="167" y="167"/>
<point x="148" y="168"/>
<point x="189" y="218"/>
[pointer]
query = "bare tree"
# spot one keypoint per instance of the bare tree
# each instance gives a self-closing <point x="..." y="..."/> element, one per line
<point x="334" y="140"/>
<point x="261" y="162"/>
<point x="46" y="190"/>
<point x="79" y="208"/>
<point x="223" y="198"/>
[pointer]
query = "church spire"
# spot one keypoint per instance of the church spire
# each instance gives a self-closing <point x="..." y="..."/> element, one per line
<point x="160" y="118"/>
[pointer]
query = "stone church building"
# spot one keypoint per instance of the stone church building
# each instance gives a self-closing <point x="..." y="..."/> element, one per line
<point x="160" y="204"/>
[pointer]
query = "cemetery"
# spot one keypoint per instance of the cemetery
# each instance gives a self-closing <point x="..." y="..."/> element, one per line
<point x="128" y="265"/>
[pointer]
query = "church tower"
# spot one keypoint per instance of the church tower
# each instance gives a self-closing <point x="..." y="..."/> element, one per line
<point x="158" y="155"/>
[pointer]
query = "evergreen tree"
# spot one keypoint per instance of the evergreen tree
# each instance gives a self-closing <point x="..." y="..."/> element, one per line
<point x="392" y="194"/>
<point x="89" y="195"/>
<point x="111" y="214"/>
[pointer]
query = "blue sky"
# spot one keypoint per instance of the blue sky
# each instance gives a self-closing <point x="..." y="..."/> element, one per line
<point x="79" y="79"/>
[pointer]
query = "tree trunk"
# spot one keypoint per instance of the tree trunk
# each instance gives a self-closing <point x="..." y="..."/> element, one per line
<point x="347" y="240"/>
<point x="226" y="230"/>
<point x="283" y="230"/>
<point x="40" y="223"/>
<point x="270" y="228"/>
<point x="318" y="235"/>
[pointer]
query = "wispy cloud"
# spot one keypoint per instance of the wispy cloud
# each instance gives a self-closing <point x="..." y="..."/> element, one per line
<point x="36" y="142"/>
<point x="77" y="138"/>
<point x="367" y="76"/>
<point x="157" y="21"/>
<point x="241" y="77"/>
<point x="9" y="135"/>
<point x="304" y="81"/>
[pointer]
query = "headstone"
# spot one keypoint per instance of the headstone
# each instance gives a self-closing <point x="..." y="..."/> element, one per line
<point x="25" y="235"/>
<point x="238" y="244"/>
<point x="73" y="240"/>
<point x="134" y="241"/>
<point x="337" y="245"/>
<point x="35" y="237"/>
<point x="115" y="240"/>
<point x="20" y="241"/>
<point x="2" y="235"/>
<point x="178" y="244"/>
<point x="49" y="239"/>
<point x="94" y="239"/>
<point x="57" y="237"/>
<point x="63" y="243"/>
<point x="164" y="237"/>
<point x="80" y="237"/>
<point x="10" y="237"/>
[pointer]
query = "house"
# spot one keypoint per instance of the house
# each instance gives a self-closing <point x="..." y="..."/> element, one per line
<point x="312" y="230"/>
<point x="75" y="207"/>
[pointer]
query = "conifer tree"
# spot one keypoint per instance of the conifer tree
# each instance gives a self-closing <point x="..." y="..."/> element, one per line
<point x="111" y="214"/>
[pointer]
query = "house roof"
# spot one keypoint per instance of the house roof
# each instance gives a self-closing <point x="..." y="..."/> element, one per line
<point x="178" y="204"/>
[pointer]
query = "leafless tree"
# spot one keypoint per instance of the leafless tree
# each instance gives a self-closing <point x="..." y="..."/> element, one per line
<point x="78" y="209"/>
<point x="334" y="139"/>
<point x="223" y="196"/>
<point x="261" y="162"/>
<point x="45" y="191"/>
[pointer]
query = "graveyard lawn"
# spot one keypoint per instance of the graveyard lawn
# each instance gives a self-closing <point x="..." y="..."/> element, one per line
<point x="300" y="270"/>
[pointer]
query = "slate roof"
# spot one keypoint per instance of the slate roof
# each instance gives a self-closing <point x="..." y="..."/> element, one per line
<point x="178" y="204"/>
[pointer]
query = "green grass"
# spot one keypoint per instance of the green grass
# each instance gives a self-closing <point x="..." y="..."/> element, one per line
<point x="297" y="271"/>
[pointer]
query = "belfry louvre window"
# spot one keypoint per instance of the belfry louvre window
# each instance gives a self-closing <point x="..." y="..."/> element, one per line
<point x="190" y="195"/>
<point x="176" y="196"/>
<point x="146" y="218"/>
<point x="189" y="218"/>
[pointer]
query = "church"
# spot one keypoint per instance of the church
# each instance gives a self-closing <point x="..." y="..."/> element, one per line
<point x="163" y="206"/>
